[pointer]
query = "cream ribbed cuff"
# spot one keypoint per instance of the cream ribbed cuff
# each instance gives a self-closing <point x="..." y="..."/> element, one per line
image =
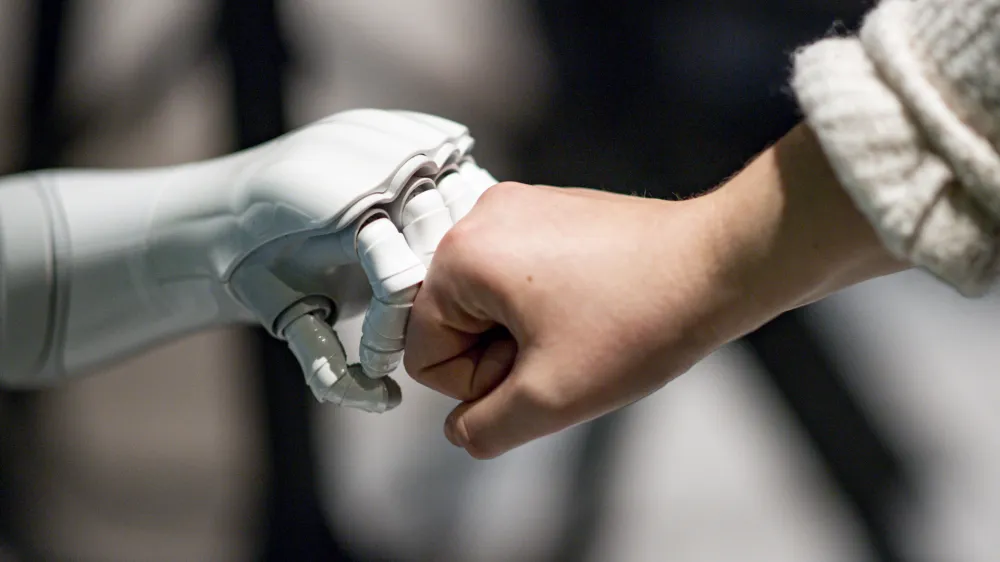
<point x="908" y="114"/>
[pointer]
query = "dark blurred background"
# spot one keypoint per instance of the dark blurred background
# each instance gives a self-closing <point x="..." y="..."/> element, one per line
<point x="861" y="428"/>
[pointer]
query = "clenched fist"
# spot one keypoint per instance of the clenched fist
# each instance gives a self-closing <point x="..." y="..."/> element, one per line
<point x="547" y="307"/>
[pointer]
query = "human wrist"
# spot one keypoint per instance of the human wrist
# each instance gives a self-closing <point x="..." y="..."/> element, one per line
<point x="791" y="235"/>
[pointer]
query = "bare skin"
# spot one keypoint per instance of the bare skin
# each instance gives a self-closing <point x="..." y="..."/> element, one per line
<point x="547" y="307"/>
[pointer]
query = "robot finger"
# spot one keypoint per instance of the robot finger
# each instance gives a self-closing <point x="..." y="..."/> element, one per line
<point x="395" y="273"/>
<point x="383" y="335"/>
<point x="331" y="379"/>
<point x="301" y="321"/>
<point x="462" y="188"/>
<point x="424" y="220"/>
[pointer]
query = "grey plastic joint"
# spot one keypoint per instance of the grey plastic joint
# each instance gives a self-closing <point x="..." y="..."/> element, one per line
<point x="331" y="379"/>
<point x="301" y="321"/>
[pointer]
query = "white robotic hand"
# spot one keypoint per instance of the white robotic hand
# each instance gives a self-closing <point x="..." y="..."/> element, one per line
<point x="334" y="220"/>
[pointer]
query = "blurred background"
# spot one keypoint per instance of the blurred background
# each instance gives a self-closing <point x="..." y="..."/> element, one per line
<point x="863" y="428"/>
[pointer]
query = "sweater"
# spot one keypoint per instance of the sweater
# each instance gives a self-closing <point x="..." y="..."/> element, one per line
<point x="908" y="114"/>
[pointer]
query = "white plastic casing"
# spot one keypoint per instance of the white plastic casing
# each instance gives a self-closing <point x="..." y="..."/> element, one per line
<point x="96" y="265"/>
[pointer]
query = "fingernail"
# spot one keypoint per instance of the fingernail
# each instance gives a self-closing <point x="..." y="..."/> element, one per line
<point x="449" y="433"/>
<point x="453" y="434"/>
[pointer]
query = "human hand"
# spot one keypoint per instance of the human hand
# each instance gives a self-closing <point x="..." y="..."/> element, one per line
<point x="548" y="307"/>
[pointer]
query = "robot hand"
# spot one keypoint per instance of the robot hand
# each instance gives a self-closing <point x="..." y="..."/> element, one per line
<point x="337" y="219"/>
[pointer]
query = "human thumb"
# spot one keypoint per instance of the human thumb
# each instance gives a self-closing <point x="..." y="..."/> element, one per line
<point x="525" y="406"/>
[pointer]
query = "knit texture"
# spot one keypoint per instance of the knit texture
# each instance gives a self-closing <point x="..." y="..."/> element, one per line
<point x="908" y="113"/>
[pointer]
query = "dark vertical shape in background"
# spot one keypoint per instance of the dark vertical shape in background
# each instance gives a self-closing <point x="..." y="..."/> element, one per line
<point x="667" y="99"/>
<point x="42" y="148"/>
<point x="868" y="472"/>
<point x="295" y="527"/>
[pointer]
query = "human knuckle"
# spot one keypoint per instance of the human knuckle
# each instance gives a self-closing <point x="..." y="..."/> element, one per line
<point x="502" y="192"/>
<point x="459" y="241"/>
<point x="466" y="252"/>
<point x="541" y="394"/>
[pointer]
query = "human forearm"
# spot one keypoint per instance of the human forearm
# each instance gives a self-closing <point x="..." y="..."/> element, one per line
<point x="605" y="298"/>
<point x="895" y="164"/>
<point x="789" y="233"/>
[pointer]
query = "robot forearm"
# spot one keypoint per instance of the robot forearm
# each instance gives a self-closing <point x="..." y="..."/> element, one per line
<point x="295" y="234"/>
<point x="81" y="285"/>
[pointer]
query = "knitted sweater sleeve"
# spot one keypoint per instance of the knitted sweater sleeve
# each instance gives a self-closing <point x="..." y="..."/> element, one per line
<point x="908" y="114"/>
